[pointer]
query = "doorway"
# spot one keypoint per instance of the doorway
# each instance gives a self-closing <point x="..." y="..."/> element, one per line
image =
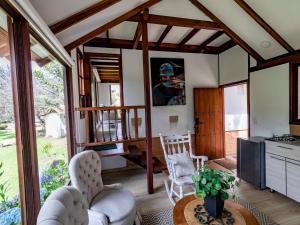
<point x="235" y="117"/>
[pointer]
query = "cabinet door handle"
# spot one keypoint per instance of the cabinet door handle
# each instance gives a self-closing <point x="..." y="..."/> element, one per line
<point x="273" y="157"/>
<point x="284" y="147"/>
<point x="293" y="163"/>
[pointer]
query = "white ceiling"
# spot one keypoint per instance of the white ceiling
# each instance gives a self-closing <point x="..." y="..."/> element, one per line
<point x="53" y="11"/>
<point x="97" y="20"/>
<point x="283" y="17"/>
<point x="178" y="8"/>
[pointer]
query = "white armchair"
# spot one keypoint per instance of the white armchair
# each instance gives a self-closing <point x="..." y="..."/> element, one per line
<point x="111" y="202"/>
<point x="179" y="157"/>
<point x="66" y="207"/>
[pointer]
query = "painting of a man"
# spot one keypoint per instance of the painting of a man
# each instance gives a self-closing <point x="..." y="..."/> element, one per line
<point x="168" y="81"/>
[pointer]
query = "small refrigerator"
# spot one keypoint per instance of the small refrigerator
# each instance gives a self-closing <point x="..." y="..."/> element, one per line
<point x="251" y="161"/>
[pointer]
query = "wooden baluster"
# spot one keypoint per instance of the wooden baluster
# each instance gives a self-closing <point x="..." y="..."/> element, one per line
<point x="94" y="118"/>
<point x="87" y="126"/>
<point x="102" y="128"/>
<point x="128" y="122"/>
<point x="116" y="124"/>
<point x="136" y="123"/>
<point x="108" y="111"/>
<point x="123" y="119"/>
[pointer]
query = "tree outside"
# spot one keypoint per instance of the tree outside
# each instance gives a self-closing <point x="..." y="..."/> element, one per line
<point x="48" y="86"/>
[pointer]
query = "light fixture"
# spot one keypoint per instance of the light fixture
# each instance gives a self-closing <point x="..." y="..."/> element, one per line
<point x="265" y="44"/>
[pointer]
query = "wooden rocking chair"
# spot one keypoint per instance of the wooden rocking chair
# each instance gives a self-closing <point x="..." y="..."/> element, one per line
<point x="179" y="158"/>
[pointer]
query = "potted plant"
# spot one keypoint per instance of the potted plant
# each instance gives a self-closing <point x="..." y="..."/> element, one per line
<point x="214" y="186"/>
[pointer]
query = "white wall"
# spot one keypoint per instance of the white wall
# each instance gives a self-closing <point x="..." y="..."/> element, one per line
<point x="269" y="101"/>
<point x="233" y="65"/>
<point x="200" y="71"/>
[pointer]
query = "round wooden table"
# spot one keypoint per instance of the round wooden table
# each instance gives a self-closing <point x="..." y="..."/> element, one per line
<point x="181" y="207"/>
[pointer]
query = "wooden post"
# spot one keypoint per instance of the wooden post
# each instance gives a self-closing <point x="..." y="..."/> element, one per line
<point x="147" y="105"/>
<point x="70" y="121"/>
<point x="24" y="120"/>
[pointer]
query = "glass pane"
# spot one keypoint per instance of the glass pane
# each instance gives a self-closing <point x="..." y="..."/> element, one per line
<point x="115" y="94"/>
<point x="48" y="86"/>
<point x="9" y="185"/>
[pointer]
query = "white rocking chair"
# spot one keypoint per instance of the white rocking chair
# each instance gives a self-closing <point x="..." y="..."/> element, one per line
<point x="179" y="158"/>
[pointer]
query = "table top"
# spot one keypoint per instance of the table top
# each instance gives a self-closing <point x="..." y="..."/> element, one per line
<point x="180" y="219"/>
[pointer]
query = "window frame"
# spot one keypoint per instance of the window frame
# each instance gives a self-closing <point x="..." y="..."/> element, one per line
<point x="294" y="93"/>
<point x="25" y="128"/>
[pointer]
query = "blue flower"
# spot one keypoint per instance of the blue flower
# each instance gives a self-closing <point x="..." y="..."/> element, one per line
<point x="45" y="178"/>
<point x="11" y="217"/>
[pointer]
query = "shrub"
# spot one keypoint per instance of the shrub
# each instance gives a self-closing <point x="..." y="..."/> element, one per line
<point x="54" y="177"/>
<point x="46" y="148"/>
<point x="11" y="217"/>
<point x="3" y="189"/>
<point x="3" y="126"/>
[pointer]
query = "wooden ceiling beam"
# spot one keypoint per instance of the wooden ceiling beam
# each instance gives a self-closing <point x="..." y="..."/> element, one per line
<point x="278" y="60"/>
<point x="137" y="35"/>
<point x="209" y="40"/>
<point x="89" y="36"/>
<point x="105" y="64"/>
<point x="264" y="25"/>
<point x="163" y="35"/>
<point x="127" y="44"/>
<point x="227" y="45"/>
<point x="228" y="31"/>
<point x="82" y="15"/>
<point x="178" y="22"/>
<point x="188" y="37"/>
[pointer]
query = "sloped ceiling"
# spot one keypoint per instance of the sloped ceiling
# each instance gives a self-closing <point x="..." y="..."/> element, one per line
<point x="282" y="16"/>
<point x="53" y="11"/>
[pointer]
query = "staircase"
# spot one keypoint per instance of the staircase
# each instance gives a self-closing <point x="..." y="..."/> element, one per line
<point x="139" y="157"/>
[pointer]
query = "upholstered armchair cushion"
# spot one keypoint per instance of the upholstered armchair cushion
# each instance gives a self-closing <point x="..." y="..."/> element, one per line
<point x="115" y="204"/>
<point x="64" y="207"/>
<point x="85" y="173"/>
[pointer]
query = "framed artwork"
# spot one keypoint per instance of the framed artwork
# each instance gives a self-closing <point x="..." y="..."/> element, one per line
<point x="168" y="81"/>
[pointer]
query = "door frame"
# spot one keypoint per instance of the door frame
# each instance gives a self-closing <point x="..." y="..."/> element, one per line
<point x="232" y="84"/>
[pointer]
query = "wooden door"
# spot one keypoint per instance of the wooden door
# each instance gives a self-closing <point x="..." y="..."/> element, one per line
<point x="209" y="122"/>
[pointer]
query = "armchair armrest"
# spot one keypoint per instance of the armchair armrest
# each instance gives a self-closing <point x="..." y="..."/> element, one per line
<point x="115" y="186"/>
<point x="97" y="218"/>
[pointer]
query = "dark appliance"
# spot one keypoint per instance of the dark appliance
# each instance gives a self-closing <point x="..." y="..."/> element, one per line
<point x="251" y="161"/>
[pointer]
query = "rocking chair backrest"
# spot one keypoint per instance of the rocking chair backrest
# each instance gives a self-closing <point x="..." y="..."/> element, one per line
<point x="176" y="144"/>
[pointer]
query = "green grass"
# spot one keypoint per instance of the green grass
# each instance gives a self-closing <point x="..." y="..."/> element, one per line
<point x="4" y="135"/>
<point x="8" y="156"/>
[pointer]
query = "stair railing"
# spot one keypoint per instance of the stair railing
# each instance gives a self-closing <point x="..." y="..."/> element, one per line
<point x="113" y="124"/>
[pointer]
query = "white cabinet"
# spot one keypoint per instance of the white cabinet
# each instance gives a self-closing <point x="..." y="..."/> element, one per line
<point x="283" y="169"/>
<point x="276" y="173"/>
<point x="293" y="179"/>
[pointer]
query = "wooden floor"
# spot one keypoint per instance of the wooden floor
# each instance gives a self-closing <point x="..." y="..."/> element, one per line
<point x="282" y="210"/>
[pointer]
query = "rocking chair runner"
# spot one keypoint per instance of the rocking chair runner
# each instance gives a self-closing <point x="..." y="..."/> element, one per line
<point x="179" y="158"/>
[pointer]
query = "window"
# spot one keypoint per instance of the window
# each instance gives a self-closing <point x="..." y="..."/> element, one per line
<point x="50" y="119"/>
<point x="295" y="93"/>
<point x="10" y="212"/>
<point x="115" y="94"/>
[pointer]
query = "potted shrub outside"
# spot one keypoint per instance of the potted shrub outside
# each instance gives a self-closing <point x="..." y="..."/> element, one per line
<point x="214" y="186"/>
